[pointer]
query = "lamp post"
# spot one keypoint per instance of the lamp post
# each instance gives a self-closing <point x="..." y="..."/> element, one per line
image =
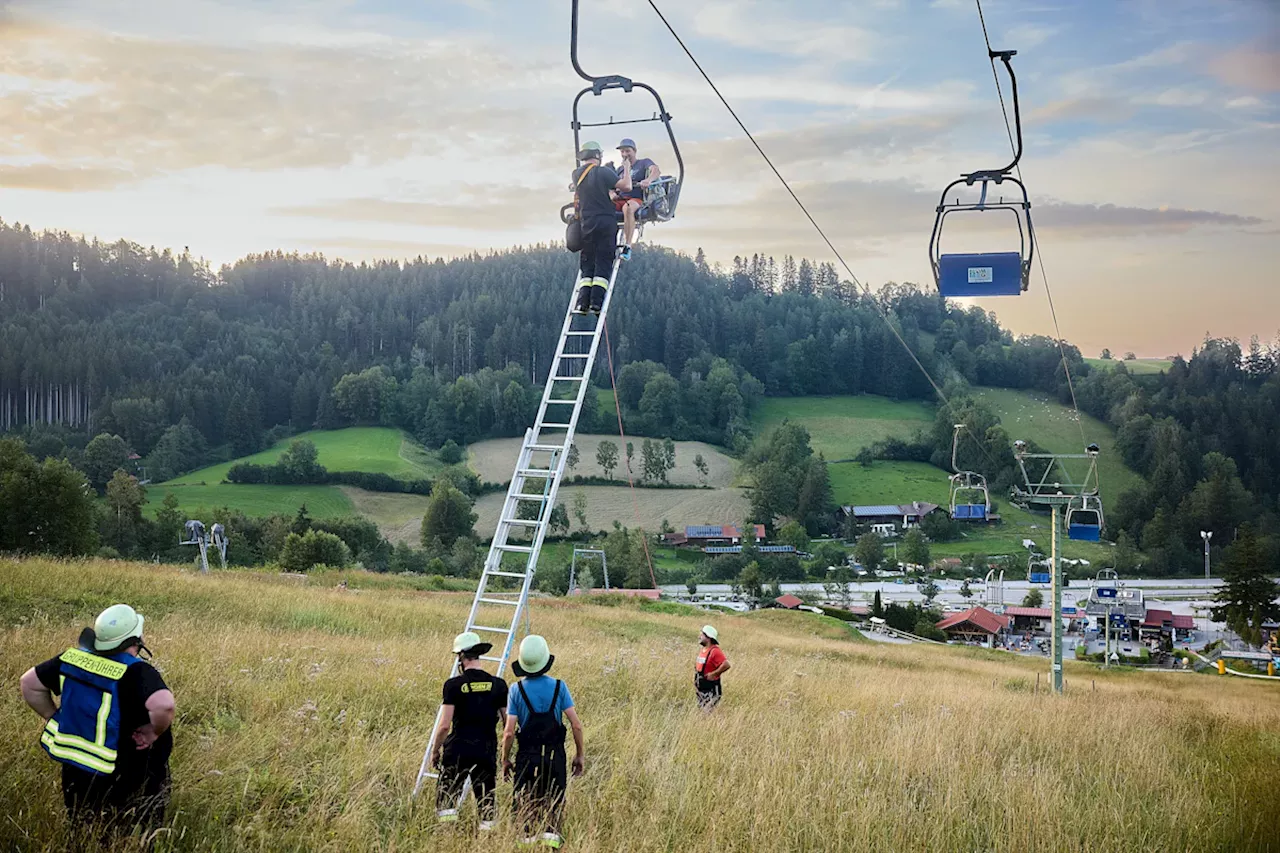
<point x="1206" y="535"/>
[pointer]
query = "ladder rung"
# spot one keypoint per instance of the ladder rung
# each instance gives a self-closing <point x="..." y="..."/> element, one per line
<point x="566" y="379"/>
<point x="523" y="522"/>
<point x="575" y="355"/>
<point x="491" y="657"/>
<point x="500" y="601"/>
<point x="524" y="497"/>
<point x="547" y="448"/>
<point x="505" y="574"/>
<point x="515" y="549"/>
<point x="430" y="775"/>
<point x="494" y="630"/>
<point x="545" y="425"/>
<point x="540" y="473"/>
<point x="580" y="333"/>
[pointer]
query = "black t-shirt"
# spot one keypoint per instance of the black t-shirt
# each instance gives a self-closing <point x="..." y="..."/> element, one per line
<point x="593" y="192"/>
<point x="137" y="684"/>
<point x="476" y="697"/>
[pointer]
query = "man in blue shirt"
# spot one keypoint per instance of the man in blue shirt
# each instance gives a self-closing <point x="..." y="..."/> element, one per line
<point x="643" y="172"/>
<point x="536" y="705"/>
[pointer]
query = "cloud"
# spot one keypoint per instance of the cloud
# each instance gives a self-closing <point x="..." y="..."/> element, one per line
<point x="472" y="209"/>
<point x="771" y="28"/>
<point x="1089" y="108"/>
<point x="62" y="179"/>
<point x="1109" y="220"/>
<point x="144" y="106"/>
<point x="1027" y="36"/>
<point x="1248" y="67"/>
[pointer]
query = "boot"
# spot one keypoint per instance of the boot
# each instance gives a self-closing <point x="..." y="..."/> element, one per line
<point x="597" y="297"/>
<point x="583" y="305"/>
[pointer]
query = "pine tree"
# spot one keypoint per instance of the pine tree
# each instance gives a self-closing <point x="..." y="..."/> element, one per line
<point x="1248" y="594"/>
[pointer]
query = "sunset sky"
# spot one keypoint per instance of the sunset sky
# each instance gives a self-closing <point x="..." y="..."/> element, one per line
<point x="386" y="128"/>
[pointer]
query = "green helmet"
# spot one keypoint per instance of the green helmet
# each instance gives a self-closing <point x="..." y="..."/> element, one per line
<point x="590" y="149"/>
<point x="115" y="627"/>
<point x="469" y="641"/>
<point x="535" y="657"/>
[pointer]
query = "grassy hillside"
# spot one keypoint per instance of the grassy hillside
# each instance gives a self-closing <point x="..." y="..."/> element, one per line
<point x="252" y="500"/>
<point x="1028" y="414"/>
<point x="303" y="712"/>
<point x="841" y="426"/>
<point x="495" y="458"/>
<point x="378" y="450"/>
<point x="1138" y="367"/>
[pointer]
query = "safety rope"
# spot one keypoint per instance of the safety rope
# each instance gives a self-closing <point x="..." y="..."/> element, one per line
<point x="635" y="503"/>
<point x="787" y="186"/>
<point x="1035" y="243"/>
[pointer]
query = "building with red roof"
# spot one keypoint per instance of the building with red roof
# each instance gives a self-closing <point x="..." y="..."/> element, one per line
<point x="789" y="601"/>
<point x="975" y="624"/>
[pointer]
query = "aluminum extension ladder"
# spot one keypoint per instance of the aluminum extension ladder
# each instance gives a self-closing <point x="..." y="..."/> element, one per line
<point x="531" y="497"/>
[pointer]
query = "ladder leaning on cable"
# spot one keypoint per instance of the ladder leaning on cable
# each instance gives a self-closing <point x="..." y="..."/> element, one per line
<point x="503" y="592"/>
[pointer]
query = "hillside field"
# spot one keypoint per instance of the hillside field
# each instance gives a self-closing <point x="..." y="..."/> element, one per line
<point x="303" y="712"/>
<point x="841" y="426"/>
<point x="377" y="450"/>
<point x="1137" y="367"/>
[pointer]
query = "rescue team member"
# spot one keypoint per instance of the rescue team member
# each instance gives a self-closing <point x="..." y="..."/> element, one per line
<point x="643" y="172"/>
<point x="711" y="664"/>
<point x="111" y="729"/>
<point x="592" y="184"/>
<point x="473" y="703"/>
<point x="537" y="704"/>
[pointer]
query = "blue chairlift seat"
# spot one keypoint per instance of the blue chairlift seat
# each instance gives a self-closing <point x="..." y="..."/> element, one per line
<point x="1084" y="532"/>
<point x="1039" y="577"/>
<point x="969" y="512"/>
<point x="980" y="274"/>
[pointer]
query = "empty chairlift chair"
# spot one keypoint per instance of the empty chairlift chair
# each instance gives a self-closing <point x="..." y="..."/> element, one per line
<point x="1005" y="273"/>
<point x="1084" y="519"/>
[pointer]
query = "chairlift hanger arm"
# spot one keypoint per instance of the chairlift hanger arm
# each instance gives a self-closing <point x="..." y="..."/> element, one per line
<point x="1006" y="57"/>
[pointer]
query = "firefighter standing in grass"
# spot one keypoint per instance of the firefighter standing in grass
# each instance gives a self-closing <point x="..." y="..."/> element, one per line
<point x="711" y="664"/>
<point x="536" y="706"/>
<point x="474" y="703"/>
<point x="110" y="729"/>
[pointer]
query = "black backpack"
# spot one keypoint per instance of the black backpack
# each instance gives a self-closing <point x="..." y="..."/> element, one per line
<point x="542" y="733"/>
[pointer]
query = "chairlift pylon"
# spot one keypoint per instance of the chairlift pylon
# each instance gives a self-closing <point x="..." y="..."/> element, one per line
<point x="662" y="196"/>
<point x="967" y="487"/>
<point x="1005" y="273"/>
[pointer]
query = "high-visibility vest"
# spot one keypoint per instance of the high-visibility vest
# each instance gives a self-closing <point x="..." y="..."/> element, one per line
<point x="85" y="730"/>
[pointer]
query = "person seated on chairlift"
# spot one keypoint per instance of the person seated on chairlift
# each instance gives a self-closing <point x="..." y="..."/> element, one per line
<point x="643" y="172"/>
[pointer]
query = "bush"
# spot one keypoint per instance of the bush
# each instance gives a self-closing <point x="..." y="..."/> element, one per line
<point x="313" y="548"/>
<point x="451" y="453"/>
<point x="839" y="613"/>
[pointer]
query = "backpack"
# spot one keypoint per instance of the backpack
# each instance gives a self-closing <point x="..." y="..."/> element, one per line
<point x="542" y="734"/>
<point x="573" y="231"/>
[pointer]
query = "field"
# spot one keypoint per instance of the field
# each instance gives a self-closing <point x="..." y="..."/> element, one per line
<point x="252" y="500"/>
<point x="377" y="450"/>
<point x="1029" y="414"/>
<point x="606" y="503"/>
<point x="841" y="426"/>
<point x="495" y="459"/>
<point x="303" y="712"/>
<point x="1137" y="367"/>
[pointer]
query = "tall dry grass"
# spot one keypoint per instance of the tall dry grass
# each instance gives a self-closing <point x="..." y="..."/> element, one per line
<point x="303" y="712"/>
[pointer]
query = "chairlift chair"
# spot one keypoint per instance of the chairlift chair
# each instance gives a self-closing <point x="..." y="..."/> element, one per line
<point x="970" y="498"/>
<point x="195" y="533"/>
<point x="661" y="196"/>
<point x="1006" y="273"/>
<point x="1084" y="519"/>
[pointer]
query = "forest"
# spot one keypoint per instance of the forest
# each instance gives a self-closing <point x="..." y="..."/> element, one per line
<point x="188" y="365"/>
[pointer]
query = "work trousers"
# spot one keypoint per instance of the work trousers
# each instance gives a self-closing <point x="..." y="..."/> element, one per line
<point x="480" y="762"/>
<point x="101" y="806"/>
<point x="539" y="790"/>
<point x="599" y="245"/>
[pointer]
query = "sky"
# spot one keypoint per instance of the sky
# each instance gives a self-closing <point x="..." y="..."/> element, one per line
<point x="370" y="129"/>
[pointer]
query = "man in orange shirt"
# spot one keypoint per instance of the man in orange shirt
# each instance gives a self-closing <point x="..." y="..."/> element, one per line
<point x="711" y="664"/>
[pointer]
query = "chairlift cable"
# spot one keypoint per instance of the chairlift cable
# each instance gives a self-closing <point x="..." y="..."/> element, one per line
<point x="787" y="186"/>
<point x="1034" y="239"/>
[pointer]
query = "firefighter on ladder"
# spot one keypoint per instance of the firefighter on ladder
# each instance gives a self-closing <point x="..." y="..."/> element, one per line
<point x="597" y="218"/>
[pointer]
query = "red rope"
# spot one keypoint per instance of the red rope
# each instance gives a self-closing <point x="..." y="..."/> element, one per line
<point x="635" y="504"/>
